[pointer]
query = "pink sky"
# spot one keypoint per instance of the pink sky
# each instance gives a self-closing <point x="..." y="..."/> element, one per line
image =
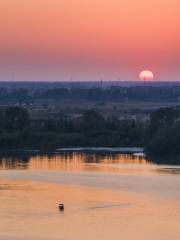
<point x="89" y="39"/>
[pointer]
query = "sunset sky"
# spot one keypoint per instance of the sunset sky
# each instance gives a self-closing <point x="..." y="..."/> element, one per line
<point x="89" y="39"/>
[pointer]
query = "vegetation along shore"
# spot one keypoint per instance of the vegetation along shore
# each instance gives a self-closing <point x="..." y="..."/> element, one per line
<point x="158" y="136"/>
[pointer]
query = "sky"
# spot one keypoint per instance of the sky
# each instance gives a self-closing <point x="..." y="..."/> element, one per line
<point x="84" y="40"/>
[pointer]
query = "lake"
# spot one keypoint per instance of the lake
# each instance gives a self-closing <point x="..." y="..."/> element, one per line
<point x="107" y="195"/>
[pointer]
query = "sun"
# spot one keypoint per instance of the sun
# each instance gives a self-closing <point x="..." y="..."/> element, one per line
<point x="146" y="75"/>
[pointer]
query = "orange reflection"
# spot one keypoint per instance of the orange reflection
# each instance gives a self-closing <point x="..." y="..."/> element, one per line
<point x="79" y="162"/>
<point x="30" y="209"/>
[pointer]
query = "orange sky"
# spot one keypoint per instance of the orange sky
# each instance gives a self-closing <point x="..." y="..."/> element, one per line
<point x="89" y="39"/>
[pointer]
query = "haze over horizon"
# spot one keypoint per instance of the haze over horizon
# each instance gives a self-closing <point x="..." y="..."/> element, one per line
<point x="83" y="40"/>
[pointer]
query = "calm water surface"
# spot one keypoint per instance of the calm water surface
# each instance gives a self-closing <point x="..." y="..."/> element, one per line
<point x="106" y="196"/>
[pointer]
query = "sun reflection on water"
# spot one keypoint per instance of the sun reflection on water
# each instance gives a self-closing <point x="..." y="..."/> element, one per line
<point x="77" y="162"/>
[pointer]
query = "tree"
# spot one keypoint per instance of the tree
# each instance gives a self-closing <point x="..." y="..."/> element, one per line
<point x="162" y="117"/>
<point x="166" y="141"/>
<point x="15" y="118"/>
<point x="92" y="121"/>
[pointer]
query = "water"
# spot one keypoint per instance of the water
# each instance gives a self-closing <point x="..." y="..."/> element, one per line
<point x="106" y="196"/>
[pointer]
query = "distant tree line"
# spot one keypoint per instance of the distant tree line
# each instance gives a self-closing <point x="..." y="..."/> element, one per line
<point x="112" y="94"/>
<point x="159" y="136"/>
<point x="17" y="131"/>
